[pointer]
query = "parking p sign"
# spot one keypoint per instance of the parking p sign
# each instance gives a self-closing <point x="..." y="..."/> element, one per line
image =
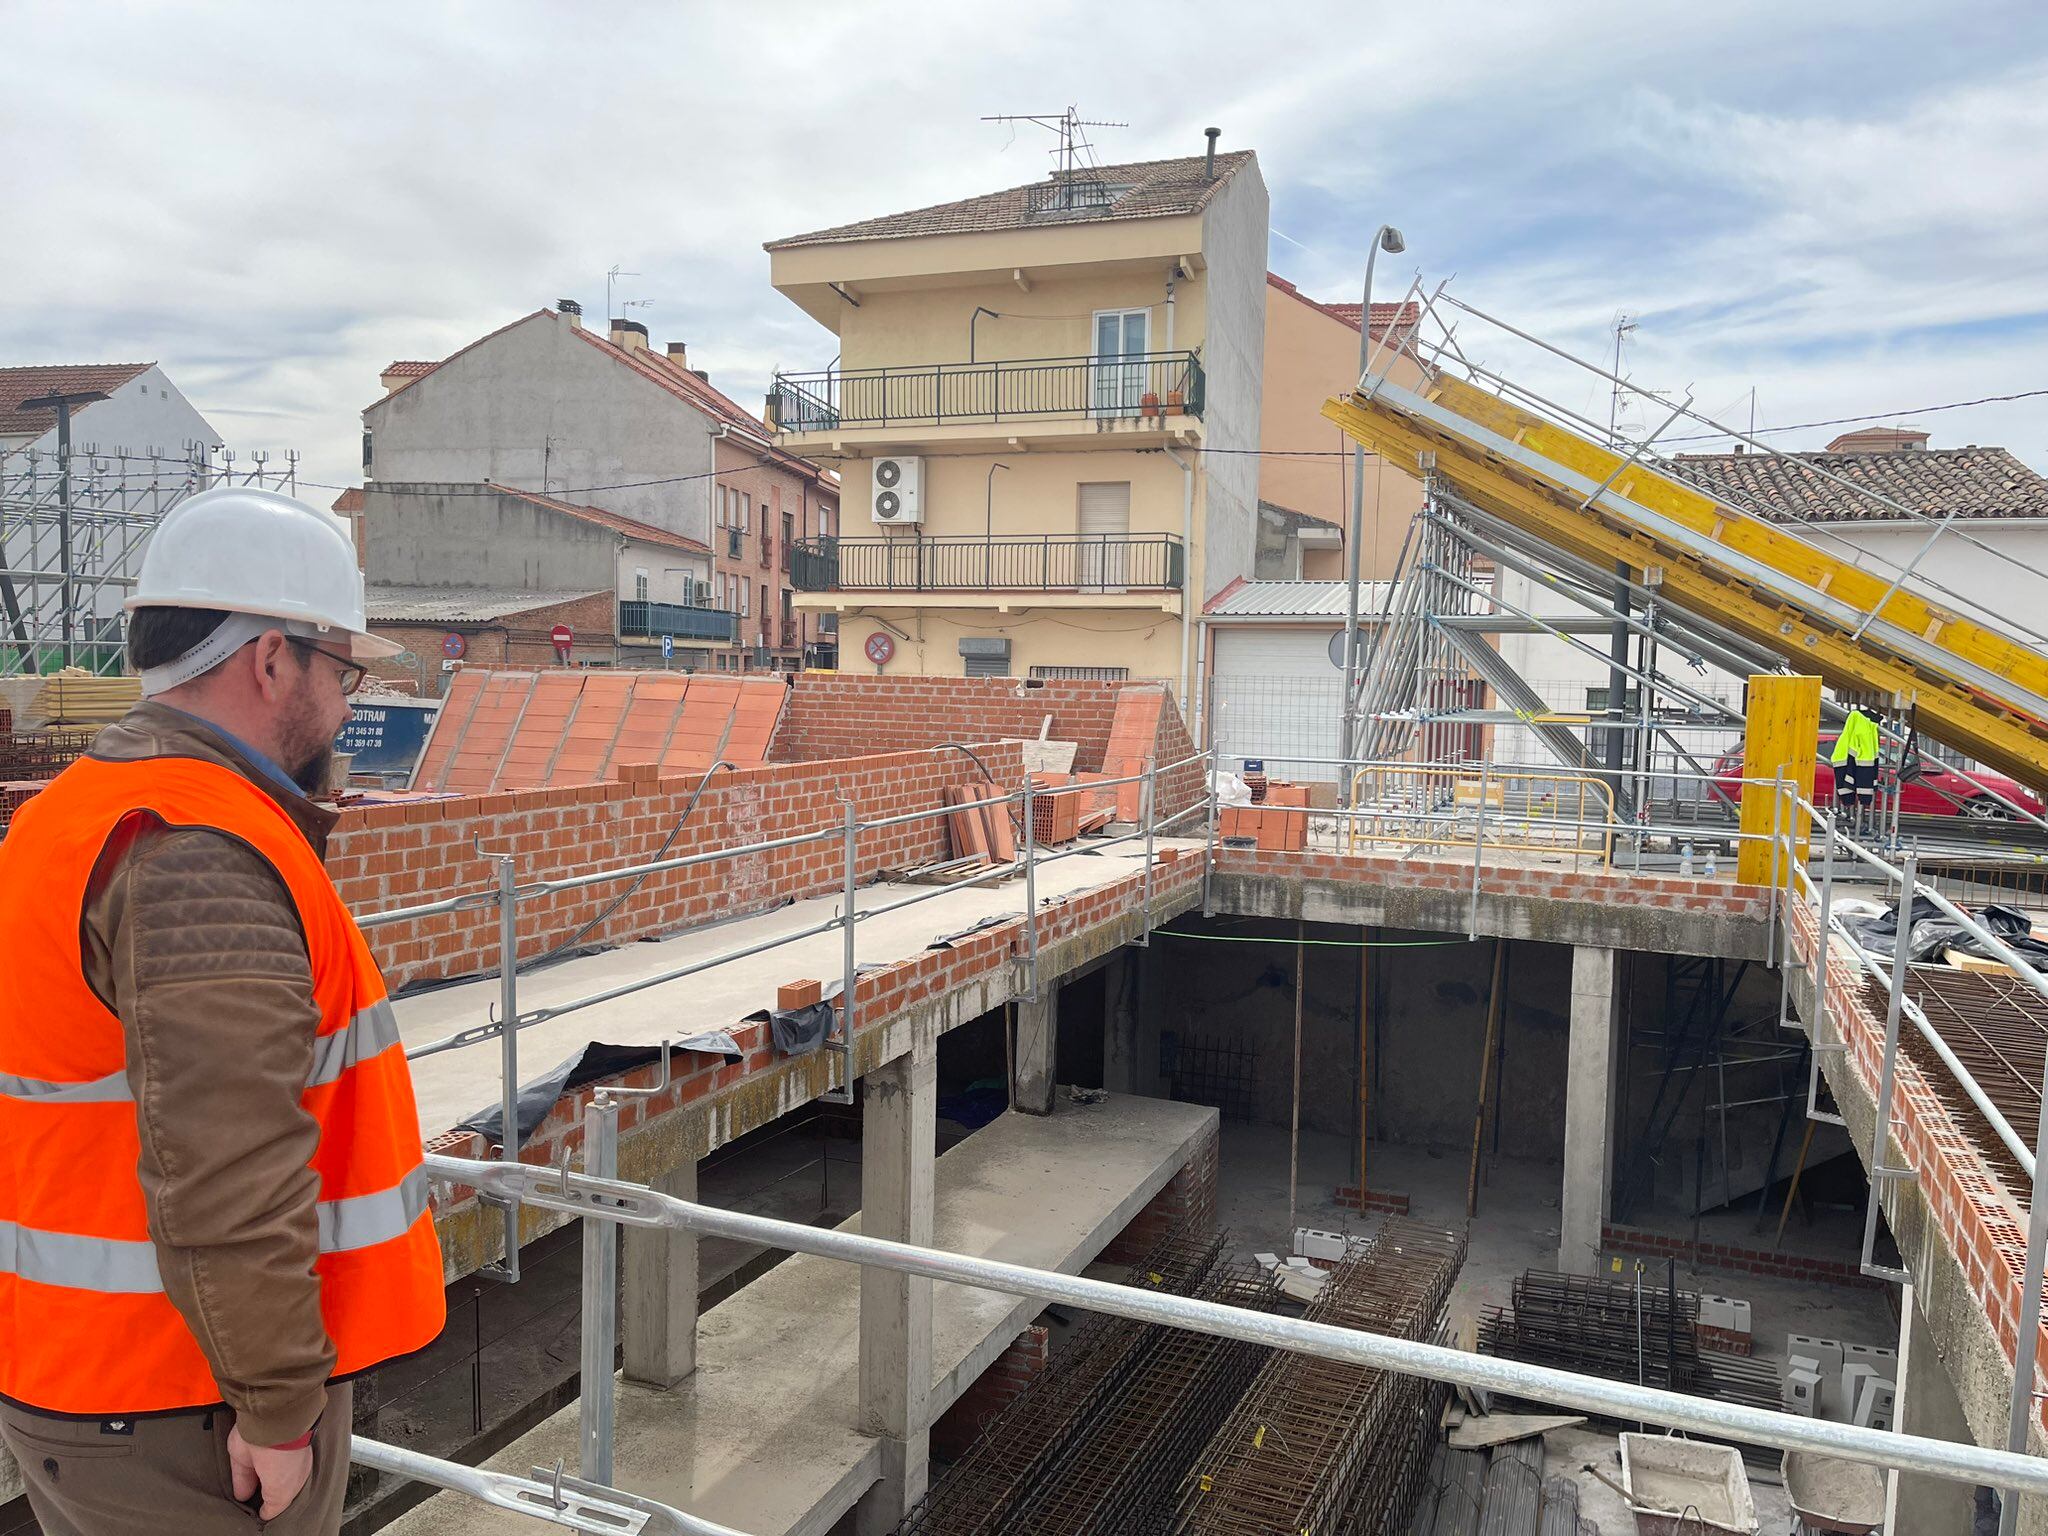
<point x="668" y="647"/>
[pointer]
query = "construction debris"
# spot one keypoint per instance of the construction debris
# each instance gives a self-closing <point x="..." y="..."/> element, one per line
<point x="1479" y="1434"/>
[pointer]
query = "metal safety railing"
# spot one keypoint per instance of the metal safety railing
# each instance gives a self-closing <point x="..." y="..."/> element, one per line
<point x="1794" y="819"/>
<point x="1507" y="808"/>
<point x="588" y="1502"/>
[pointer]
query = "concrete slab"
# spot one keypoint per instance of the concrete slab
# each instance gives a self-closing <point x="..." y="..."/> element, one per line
<point x="455" y="1084"/>
<point x="761" y="1438"/>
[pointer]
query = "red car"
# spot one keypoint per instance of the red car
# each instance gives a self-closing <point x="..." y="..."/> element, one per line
<point x="1932" y="787"/>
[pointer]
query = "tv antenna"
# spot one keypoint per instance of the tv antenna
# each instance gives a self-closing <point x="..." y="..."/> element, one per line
<point x="1074" y="152"/>
<point x="611" y="278"/>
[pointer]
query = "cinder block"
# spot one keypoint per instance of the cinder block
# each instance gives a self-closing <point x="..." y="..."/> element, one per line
<point x="1826" y="1354"/>
<point x="1742" y="1316"/>
<point x="798" y="994"/>
<point x="1313" y="1244"/>
<point x="1800" y="1391"/>
<point x="1872" y="1355"/>
<point x="1841" y="1404"/>
<point x="1874" y="1405"/>
<point x="1716" y="1312"/>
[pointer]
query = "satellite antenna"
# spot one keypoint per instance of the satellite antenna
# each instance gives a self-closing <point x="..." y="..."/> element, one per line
<point x="611" y="278"/>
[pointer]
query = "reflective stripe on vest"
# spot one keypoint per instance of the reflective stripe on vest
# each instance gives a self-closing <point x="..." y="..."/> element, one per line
<point x="113" y="1267"/>
<point x="369" y="1034"/>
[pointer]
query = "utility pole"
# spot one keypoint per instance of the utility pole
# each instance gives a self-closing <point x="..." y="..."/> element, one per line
<point x="62" y="404"/>
<point x="1618" y="636"/>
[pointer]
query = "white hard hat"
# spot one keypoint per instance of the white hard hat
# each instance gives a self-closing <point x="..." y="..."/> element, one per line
<point x="258" y="552"/>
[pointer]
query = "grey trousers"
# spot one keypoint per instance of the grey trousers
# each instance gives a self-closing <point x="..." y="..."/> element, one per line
<point x="155" y="1476"/>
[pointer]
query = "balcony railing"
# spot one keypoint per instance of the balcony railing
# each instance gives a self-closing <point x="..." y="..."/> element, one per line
<point x="1109" y="562"/>
<point x="650" y="621"/>
<point x="1154" y="386"/>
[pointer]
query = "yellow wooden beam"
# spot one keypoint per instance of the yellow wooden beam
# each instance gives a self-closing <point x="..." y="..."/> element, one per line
<point x="1948" y="712"/>
<point x="1780" y="739"/>
<point x="1744" y="533"/>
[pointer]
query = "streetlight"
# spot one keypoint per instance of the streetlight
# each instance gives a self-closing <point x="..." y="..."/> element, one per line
<point x="1385" y="238"/>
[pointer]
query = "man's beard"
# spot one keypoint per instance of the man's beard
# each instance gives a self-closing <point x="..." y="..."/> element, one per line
<point x="315" y="775"/>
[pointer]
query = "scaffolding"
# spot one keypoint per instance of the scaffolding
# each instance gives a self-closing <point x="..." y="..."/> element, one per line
<point x="72" y="528"/>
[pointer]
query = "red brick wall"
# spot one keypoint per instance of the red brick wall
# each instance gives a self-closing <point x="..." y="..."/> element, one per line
<point x="1621" y="887"/>
<point x="398" y="855"/>
<point x="522" y="639"/>
<point x="775" y="490"/>
<point x="842" y="713"/>
<point x="1748" y="1261"/>
<point x="993" y="1391"/>
<point x="1189" y="1198"/>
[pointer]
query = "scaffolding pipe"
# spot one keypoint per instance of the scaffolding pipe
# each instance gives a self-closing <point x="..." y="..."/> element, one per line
<point x="636" y="1205"/>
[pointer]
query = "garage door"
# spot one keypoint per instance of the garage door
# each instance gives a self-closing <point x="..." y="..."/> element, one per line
<point x="1278" y="697"/>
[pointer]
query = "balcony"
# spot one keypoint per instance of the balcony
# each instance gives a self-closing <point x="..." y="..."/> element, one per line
<point x="650" y="621"/>
<point x="1075" y="564"/>
<point x="1157" y="392"/>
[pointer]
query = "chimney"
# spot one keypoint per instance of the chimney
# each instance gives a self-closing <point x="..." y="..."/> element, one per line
<point x="572" y="309"/>
<point x="702" y="374"/>
<point x="391" y="380"/>
<point x="679" y="353"/>
<point x="629" y="334"/>
<point x="1209" y="158"/>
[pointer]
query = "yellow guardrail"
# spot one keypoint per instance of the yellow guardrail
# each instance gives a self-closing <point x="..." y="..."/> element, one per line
<point x="1460" y="805"/>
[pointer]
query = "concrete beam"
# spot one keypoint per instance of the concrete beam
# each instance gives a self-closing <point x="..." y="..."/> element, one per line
<point x="898" y="1133"/>
<point x="658" y="1319"/>
<point x="1038" y="1047"/>
<point x="1588" y="1110"/>
<point x="1612" y="924"/>
<point x="1120" y="1024"/>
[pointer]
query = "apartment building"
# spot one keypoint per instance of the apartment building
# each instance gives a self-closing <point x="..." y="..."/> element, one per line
<point x="605" y="423"/>
<point x="1046" y="415"/>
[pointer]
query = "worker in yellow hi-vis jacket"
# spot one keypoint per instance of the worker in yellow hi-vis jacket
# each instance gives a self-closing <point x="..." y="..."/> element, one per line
<point x="1855" y="763"/>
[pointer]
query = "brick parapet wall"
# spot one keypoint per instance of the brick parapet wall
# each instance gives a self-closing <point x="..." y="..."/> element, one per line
<point x="1619" y="887"/>
<point x="1975" y="1215"/>
<point x="994" y="1390"/>
<point x="408" y="854"/>
<point x="1731" y="1256"/>
<point x="718" y="1102"/>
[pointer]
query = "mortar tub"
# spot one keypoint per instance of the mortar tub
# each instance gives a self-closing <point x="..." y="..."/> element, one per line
<point x="1829" y="1494"/>
<point x="1685" y="1487"/>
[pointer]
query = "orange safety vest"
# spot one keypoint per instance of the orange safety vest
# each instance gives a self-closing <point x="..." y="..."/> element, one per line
<point x="85" y="1326"/>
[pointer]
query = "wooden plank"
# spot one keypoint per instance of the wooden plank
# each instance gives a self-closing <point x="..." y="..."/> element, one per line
<point x="1781" y="736"/>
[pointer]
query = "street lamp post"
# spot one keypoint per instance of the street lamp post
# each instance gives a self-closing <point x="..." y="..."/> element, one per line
<point x="1385" y="238"/>
<point x="62" y="404"/>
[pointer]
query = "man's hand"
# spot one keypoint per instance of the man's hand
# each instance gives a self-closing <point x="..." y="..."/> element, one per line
<point x="279" y="1474"/>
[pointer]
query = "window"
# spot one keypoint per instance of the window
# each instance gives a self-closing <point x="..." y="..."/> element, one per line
<point x="1121" y="336"/>
<point x="1104" y="524"/>
<point x="765" y="612"/>
<point x="744" y="590"/>
<point x="640" y="585"/>
<point x="825" y="522"/>
<point x="746" y="510"/>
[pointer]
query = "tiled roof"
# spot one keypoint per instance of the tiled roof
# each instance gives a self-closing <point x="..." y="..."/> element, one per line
<point x="1970" y="482"/>
<point x="1296" y="600"/>
<point x="1143" y="189"/>
<point x="350" y="500"/>
<point x="409" y="369"/>
<point x="1290" y="518"/>
<point x="630" y="527"/>
<point x="19" y="384"/>
<point x="455" y="605"/>
<point x="1406" y="316"/>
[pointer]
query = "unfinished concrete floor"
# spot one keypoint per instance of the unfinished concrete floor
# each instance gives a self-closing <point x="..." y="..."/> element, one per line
<point x="1516" y="1230"/>
<point x="453" y="1085"/>
<point x="761" y="1438"/>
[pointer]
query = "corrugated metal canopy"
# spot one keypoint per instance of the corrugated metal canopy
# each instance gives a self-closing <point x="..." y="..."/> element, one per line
<point x="456" y="605"/>
<point x="1296" y="600"/>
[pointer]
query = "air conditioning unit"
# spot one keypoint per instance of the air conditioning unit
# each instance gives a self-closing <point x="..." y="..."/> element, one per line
<point x="899" y="491"/>
<point x="700" y="594"/>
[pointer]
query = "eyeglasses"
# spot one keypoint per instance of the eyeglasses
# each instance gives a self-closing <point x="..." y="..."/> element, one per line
<point x="352" y="673"/>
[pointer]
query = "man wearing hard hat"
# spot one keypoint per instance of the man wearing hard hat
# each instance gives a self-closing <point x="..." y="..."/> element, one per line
<point x="210" y="1169"/>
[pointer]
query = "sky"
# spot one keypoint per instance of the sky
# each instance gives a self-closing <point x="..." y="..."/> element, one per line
<point x="1810" y="211"/>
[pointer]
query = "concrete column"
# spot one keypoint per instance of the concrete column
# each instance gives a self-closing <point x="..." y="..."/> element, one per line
<point x="1590" y="1064"/>
<point x="1120" y="1023"/>
<point x="898" y="1128"/>
<point x="1038" y="1030"/>
<point x="658" y="1318"/>
<point x="1926" y="1404"/>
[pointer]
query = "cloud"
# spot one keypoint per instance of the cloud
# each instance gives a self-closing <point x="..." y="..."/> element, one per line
<point x="1835" y="205"/>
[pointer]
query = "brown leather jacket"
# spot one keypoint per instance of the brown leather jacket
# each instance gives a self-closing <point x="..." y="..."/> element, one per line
<point x="191" y="937"/>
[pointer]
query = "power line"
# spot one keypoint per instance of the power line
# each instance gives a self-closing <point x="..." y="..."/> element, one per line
<point x="1844" y="421"/>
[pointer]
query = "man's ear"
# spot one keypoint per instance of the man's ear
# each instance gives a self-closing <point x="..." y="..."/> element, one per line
<point x="273" y="666"/>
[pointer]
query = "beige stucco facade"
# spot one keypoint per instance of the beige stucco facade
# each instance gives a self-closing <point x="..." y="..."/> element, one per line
<point x="1311" y="354"/>
<point x="939" y="312"/>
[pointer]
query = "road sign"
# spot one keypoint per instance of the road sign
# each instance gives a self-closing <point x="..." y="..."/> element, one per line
<point x="668" y="647"/>
<point x="879" y="648"/>
<point x="564" y="637"/>
<point x="454" y="646"/>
